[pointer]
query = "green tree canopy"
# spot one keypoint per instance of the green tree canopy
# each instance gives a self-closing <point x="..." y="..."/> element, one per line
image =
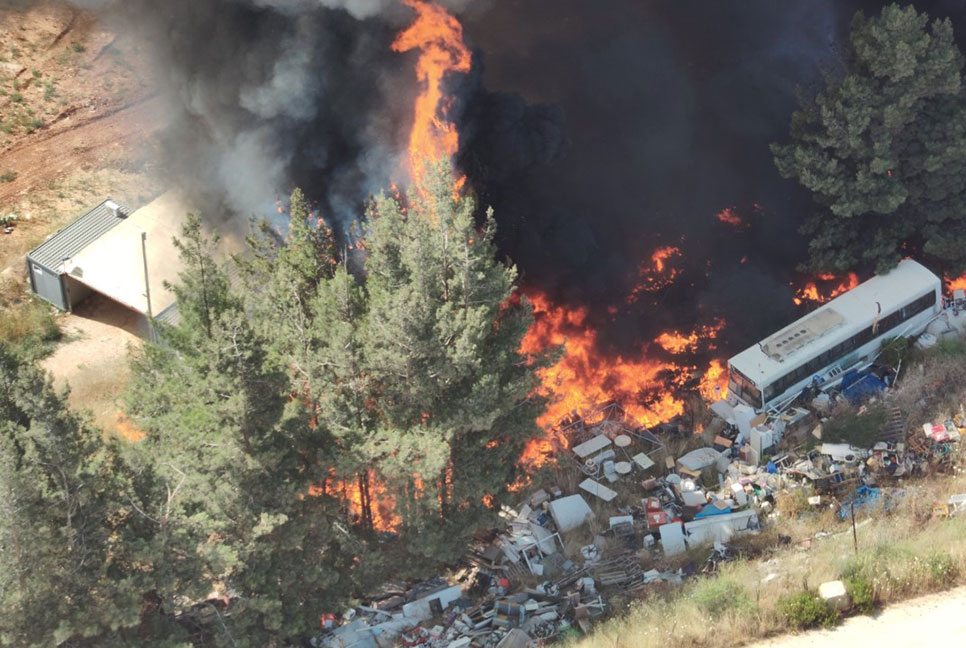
<point x="291" y="419"/>
<point x="65" y="566"/>
<point x="225" y="470"/>
<point x="883" y="148"/>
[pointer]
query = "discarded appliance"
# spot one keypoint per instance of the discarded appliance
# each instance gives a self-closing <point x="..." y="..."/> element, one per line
<point x="570" y="512"/>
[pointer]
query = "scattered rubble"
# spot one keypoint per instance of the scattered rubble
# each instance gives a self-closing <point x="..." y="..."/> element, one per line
<point x="562" y="556"/>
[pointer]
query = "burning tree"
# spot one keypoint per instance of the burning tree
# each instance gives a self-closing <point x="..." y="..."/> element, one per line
<point x="223" y="474"/>
<point x="443" y="345"/>
<point x="882" y="149"/>
<point x="411" y="370"/>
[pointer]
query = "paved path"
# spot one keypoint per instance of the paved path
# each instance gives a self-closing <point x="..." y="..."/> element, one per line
<point x="927" y="622"/>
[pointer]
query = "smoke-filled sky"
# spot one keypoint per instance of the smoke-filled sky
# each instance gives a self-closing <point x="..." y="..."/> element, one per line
<point x="598" y="130"/>
<point x="669" y="107"/>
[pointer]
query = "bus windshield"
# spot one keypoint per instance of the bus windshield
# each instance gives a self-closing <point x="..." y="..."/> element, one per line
<point x="743" y="388"/>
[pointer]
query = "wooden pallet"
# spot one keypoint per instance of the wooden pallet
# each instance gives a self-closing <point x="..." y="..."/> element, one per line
<point x="895" y="426"/>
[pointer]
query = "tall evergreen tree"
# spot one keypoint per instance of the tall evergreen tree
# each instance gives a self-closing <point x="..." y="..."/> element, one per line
<point x="225" y="474"/>
<point x="282" y="275"/>
<point x="412" y="371"/>
<point x="63" y="569"/>
<point x="883" y="148"/>
<point x="442" y="340"/>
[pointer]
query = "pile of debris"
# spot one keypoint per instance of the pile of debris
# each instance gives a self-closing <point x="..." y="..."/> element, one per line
<point x="563" y="556"/>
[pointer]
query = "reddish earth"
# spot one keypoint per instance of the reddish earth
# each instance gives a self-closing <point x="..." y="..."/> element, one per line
<point x="78" y="119"/>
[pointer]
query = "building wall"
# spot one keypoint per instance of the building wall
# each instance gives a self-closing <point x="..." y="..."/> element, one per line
<point x="47" y="284"/>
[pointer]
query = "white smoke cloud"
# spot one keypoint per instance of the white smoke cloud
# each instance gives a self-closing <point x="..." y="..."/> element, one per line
<point x="253" y="169"/>
<point x="290" y="91"/>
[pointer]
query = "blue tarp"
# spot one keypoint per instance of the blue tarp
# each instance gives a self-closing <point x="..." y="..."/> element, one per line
<point x="711" y="509"/>
<point x="863" y="497"/>
<point x="857" y="386"/>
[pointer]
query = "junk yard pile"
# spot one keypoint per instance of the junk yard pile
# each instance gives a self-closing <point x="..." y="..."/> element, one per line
<point x="624" y="515"/>
<point x="624" y="509"/>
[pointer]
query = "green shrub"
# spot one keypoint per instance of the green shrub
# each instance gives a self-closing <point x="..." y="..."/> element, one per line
<point x="860" y="431"/>
<point x="806" y="610"/>
<point x="719" y="595"/>
<point x="77" y="47"/>
<point x="949" y="349"/>
<point x="9" y="176"/>
<point x="894" y="351"/>
<point x="941" y="568"/>
<point x="861" y="591"/>
<point x="28" y="326"/>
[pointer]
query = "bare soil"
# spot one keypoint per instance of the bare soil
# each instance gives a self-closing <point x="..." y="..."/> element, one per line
<point x="78" y="119"/>
<point x="93" y="360"/>
<point x="78" y="123"/>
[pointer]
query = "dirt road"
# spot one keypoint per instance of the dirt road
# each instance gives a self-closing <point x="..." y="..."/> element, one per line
<point x="937" y="619"/>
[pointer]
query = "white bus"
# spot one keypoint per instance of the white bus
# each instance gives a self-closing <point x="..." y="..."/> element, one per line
<point x="835" y="337"/>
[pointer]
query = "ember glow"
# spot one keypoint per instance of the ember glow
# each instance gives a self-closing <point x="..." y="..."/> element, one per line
<point x="827" y="287"/>
<point x="729" y="216"/>
<point x="439" y="38"/>
<point x="656" y="273"/>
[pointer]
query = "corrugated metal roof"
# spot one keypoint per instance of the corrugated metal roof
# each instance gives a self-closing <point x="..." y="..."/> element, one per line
<point x="76" y="236"/>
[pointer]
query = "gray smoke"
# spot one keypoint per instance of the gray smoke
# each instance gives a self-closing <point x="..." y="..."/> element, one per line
<point x="271" y="94"/>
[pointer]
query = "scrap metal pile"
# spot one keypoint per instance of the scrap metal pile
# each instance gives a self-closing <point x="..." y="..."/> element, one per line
<point x="562" y="557"/>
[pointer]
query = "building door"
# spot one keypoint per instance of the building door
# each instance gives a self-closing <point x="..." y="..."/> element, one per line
<point x="48" y="285"/>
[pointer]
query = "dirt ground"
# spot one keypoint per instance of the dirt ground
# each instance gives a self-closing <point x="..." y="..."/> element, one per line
<point x="78" y="123"/>
<point x="78" y="120"/>
<point x="93" y="359"/>
<point x="932" y="620"/>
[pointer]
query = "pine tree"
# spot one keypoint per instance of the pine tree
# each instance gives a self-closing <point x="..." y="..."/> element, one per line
<point x="281" y="276"/>
<point x="226" y="470"/>
<point x="64" y="575"/>
<point x="442" y="343"/>
<point x="883" y="148"/>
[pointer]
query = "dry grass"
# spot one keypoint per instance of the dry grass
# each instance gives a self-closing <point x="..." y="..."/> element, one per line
<point x="901" y="554"/>
<point x="26" y="322"/>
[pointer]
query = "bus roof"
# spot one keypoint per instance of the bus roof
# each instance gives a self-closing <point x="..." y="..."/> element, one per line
<point x="834" y="322"/>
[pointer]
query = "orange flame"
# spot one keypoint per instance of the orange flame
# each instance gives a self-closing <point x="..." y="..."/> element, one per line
<point x="676" y="343"/>
<point x="439" y="38"/>
<point x="657" y="274"/>
<point x="959" y="283"/>
<point x="126" y="429"/>
<point x="812" y="293"/>
<point x="714" y="383"/>
<point x="586" y="378"/>
<point x="383" y="507"/>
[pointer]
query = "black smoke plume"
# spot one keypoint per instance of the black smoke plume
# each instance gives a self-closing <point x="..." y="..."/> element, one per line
<point x="598" y="131"/>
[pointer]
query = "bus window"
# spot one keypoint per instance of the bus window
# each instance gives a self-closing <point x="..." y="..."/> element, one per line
<point x="744" y="389"/>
